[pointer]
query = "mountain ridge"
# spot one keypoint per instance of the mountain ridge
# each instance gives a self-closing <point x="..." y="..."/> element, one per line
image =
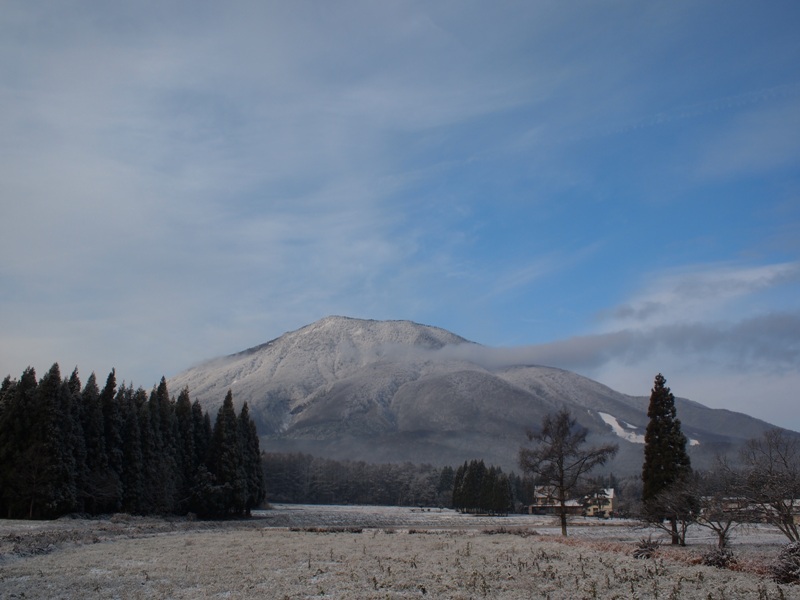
<point x="395" y="391"/>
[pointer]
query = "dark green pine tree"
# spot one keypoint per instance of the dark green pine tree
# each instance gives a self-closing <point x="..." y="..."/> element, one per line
<point x="666" y="462"/>
<point x="226" y="462"/>
<point x="99" y="487"/>
<point x="77" y="440"/>
<point x="444" y="489"/>
<point x="502" y="499"/>
<point x="169" y="437"/>
<point x="486" y="498"/>
<point x="149" y="439"/>
<point x="68" y="434"/>
<point x="133" y="406"/>
<point x="187" y="456"/>
<point x="39" y="482"/>
<point x="458" y="487"/>
<point x="251" y="459"/>
<point x="36" y="474"/>
<point x="201" y="427"/>
<point x="205" y="496"/>
<point x="158" y="451"/>
<point x="473" y="485"/>
<point x="112" y="435"/>
<point x="665" y="457"/>
<point x="8" y="443"/>
<point x="15" y="433"/>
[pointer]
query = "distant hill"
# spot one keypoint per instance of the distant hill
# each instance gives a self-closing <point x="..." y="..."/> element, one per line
<point x="394" y="391"/>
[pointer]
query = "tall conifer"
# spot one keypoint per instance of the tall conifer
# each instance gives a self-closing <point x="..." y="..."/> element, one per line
<point x="665" y="457"/>
<point x="112" y="434"/>
<point x="666" y="462"/>
<point x="98" y="487"/>
<point x="251" y="459"/>
<point x="226" y="459"/>
<point x="19" y="400"/>
<point x="186" y="454"/>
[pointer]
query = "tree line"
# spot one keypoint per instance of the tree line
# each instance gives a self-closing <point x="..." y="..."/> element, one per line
<point x="72" y="448"/>
<point x="305" y="479"/>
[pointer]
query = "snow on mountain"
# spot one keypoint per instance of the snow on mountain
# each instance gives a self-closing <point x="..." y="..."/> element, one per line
<point x="397" y="390"/>
<point x="627" y="431"/>
<point x="624" y="430"/>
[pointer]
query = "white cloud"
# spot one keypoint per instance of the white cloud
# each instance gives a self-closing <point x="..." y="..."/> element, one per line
<point x="697" y="294"/>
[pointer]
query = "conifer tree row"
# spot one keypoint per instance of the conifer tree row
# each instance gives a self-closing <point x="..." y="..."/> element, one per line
<point x="67" y="448"/>
<point x="480" y="489"/>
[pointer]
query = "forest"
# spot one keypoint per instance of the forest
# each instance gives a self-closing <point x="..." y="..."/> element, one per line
<point x="471" y="487"/>
<point x="72" y="448"/>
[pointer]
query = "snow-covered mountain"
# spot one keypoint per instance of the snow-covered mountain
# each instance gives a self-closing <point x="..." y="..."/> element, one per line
<point x="398" y="391"/>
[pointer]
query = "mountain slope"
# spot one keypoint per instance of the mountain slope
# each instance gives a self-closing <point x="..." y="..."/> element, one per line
<point x="396" y="390"/>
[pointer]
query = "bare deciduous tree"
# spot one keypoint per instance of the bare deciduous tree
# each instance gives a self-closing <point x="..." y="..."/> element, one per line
<point x="722" y="505"/>
<point x="771" y="479"/>
<point x="560" y="458"/>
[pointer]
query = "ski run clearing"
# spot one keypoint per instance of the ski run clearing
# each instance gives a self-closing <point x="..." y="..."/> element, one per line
<point x="371" y="552"/>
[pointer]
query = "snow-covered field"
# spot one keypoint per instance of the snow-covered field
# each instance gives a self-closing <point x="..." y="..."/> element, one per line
<point x="368" y="552"/>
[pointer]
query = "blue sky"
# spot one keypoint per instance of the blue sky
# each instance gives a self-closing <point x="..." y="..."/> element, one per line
<point x="611" y="187"/>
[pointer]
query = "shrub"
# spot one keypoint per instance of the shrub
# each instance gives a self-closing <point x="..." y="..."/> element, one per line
<point x="786" y="568"/>
<point x="646" y="548"/>
<point x="721" y="558"/>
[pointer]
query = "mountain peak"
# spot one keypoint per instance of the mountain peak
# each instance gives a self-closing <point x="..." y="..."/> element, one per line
<point x="401" y="391"/>
<point x="375" y="332"/>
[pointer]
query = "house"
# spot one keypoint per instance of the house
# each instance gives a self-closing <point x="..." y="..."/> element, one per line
<point x="602" y="503"/>
<point x="545" y="502"/>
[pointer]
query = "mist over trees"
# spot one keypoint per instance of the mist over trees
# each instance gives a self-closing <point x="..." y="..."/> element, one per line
<point x="67" y="448"/>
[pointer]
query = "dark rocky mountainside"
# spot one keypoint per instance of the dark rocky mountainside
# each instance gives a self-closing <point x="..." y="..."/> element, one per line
<point x="393" y="391"/>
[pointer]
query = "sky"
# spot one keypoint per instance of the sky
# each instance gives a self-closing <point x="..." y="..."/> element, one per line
<point x="606" y="186"/>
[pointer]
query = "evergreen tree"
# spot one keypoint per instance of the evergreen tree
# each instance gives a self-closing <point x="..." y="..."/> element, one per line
<point x="149" y="439"/>
<point x="502" y="499"/>
<point x="666" y="464"/>
<point x="112" y="435"/>
<point x="201" y="426"/>
<point x="18" y="401"/>
<point x="99" y="486"/>
<point x="159" y="433"/>
<point x="251" y="461"/>
<point x="486" y="499"/>
<point x="187" y="455"/>
<point x="226" y="463"/>
<point x="8" y="442"/>
<point x="77" y="440"/>
<point x="168" y="467"/>
<point x="444" y="489"/>
<point x="68" y="435"/>
<point x="133" y="477"/>
<point x="36" y="468"/>
<point x="458" y="487"/>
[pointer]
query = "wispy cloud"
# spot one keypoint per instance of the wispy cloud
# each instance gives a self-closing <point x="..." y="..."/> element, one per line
<point x="697" y="294"/>
<point x="179" y="182"/>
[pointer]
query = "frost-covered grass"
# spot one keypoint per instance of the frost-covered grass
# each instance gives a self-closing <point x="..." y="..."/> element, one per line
<point x="440" y="555"/>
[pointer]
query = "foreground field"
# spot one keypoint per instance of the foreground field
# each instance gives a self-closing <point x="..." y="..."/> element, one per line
<point x="304" y="552"/>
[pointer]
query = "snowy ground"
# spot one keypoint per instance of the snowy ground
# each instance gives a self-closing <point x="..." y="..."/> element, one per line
<point x="368" y="552"/>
